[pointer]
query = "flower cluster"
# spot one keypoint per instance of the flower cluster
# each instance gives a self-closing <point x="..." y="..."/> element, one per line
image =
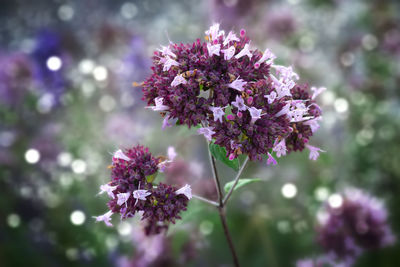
<point x="132" y="190"/>
<point x="237" y="95"/>
<point x="359" y="223"/>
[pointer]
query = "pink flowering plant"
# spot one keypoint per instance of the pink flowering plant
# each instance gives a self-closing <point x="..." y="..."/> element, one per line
<point x="238" y="99"/>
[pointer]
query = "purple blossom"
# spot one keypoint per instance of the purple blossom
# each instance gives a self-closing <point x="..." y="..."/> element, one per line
<point x="314" y="151"/>
<point x="286" y="106"/>
<point x="316" y="91"/>
<point x="207" y="132"/>
<point x="280" y="148"/>
<point x="231" y="38"/>
<point x="229" y="52"/>
<point x="106" y="218"/>
<point x="244" y="52"/>
<point x="239" y="103"/>
<point x="238" y="84"/>
<point x="122" y="198"/>
<point x="108" y="189"/>
<point x="218" y="113"/>
<point x="159" y="204"/>
<point x="178" y="80"/>
<point x="186" y="190"/>
<point x="271" y="160"/>
<point x="159" y="104"/>
<point x="313" y="123"/>
<point x="141" y="194"/>
<point x="271" y="97"/>
<point x="213" y="49"/>
<point x="255" y="114"/>
<point x="120" y="155"/>
<point x="357" y="225"/>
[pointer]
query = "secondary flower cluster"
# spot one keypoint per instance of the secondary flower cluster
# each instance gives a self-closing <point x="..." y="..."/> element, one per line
<point x="132" y="190"/>
<point x="236" y="94"/>
<point x="355" y="223"/>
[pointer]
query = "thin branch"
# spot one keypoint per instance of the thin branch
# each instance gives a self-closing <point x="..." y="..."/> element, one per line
<point x="235" y="181"/>
<point x="208" y="201"/>
<point x="215" y="176"/>
<point x="221" y="212"/>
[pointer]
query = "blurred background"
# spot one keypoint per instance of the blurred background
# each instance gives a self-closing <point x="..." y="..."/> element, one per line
<point x="67" y="102"/>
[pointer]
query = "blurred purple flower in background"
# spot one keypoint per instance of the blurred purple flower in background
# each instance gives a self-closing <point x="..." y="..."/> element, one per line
<point x="49" y="60"/>
<point x="15" y="79"/>
<point x="351" y="223"/>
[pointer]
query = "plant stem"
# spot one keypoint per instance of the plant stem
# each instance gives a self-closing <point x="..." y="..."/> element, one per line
<point x="221" y="211"/>
<point x="235" y="182"/>
<point x="222" y="216"/>
<point x="206" y="200"/>
<point x="216" y="179"/>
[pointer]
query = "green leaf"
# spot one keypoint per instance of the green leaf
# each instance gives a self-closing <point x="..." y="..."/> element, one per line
<point x="220" y="154"/>
<point x="241" y="182"/>
<point x="150" y="178"/>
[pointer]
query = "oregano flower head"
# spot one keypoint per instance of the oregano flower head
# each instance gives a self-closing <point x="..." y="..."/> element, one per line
<point x="132" y="190"/>
<point x="356" y="223"/>
<point x="237" y="96"/>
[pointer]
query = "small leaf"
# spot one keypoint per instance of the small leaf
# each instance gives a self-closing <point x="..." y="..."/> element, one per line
<point x="220" y="154"/>
<point x="150" y="178"/>
<point x="241" y="182"/>
<point x="201" y="86"/>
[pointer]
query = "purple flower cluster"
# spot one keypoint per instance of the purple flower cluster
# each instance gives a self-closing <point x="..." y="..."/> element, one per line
<point x="132" y="190"/>
<point x="15" y="79"/>
<point x="236" y="94"/>
<point x="359" y="223"/>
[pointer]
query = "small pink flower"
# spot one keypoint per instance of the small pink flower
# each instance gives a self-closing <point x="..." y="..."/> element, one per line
<point x="239" y="103"/>
<point x="271" y="160"/>
<point x="120" y="155"/>
<point x="213" y="49"/>
<point x="267" y="56"/>
<point x="250" y="100"/>
<point x="122" y="198"/>
<point x="242" y="33"/>
<point x="317" y="91"/>
<point x="239" y="114"/>
<point x="140" y="194"/>
<point x="271" y="97"/>
<point x="214" y="31"/>
<point x="314" y="152"/>
<point x="178" y="80"/>
<point x="171" y="153"/>
<point x="280" y="148"/>
<point x="284" y="110"/>
<point x="313" y="124"/>
<point x="230" y="117"/>
<point x="186" y="190"/>
<point x="238" y="84"/>
<point x="231" y="156"/>
<point x="207" y="132"/>
<point x="168" y="63"/>
<point x="244" y="52"/>
<point x="229" y="52"/>
<point x="286" y="73"/>
<point x="106" y="218"/>
<point x="218" y="113"/>
<point x="107" y="188"/>
<point x="159" y="104"/>
<point x="255" y="114"/>
<point x="231" y="37"/>
<point x="166" y="51"/>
